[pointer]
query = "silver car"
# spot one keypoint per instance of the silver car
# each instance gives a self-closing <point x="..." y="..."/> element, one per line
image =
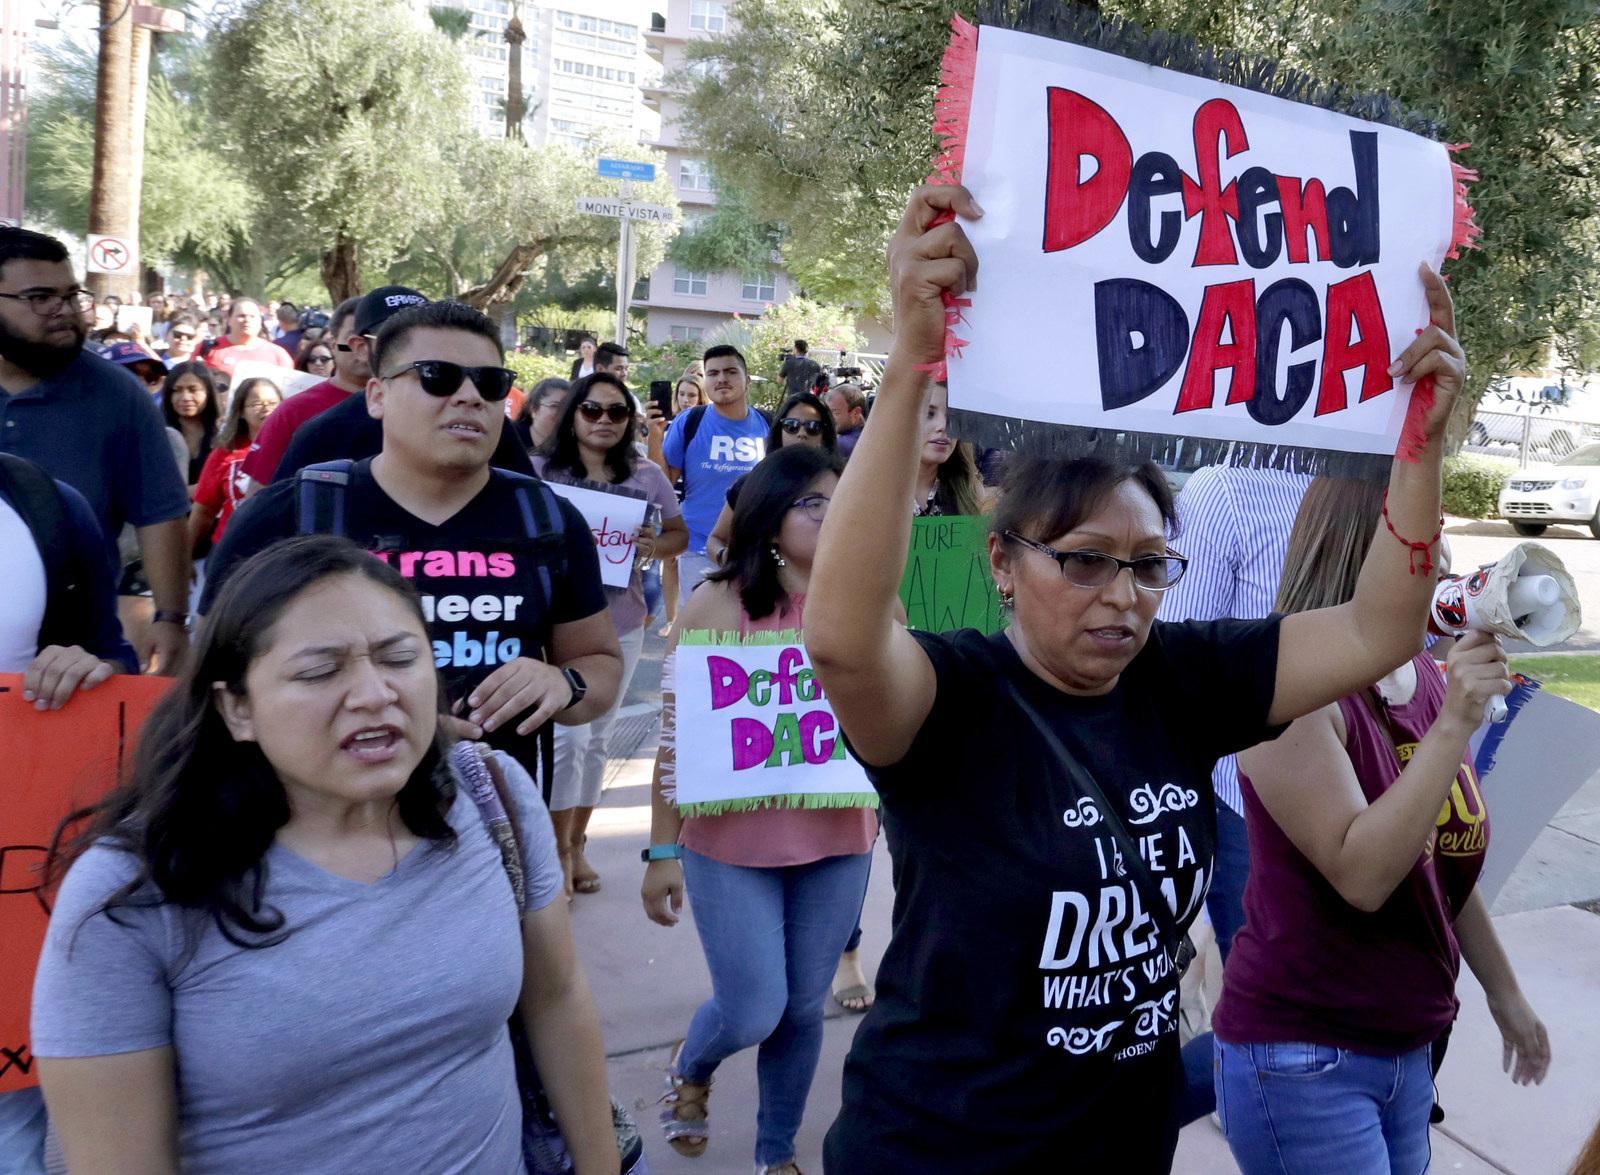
<point x="1569" y="492"/>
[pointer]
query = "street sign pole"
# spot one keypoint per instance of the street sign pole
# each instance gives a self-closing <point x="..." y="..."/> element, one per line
<point x="624" y="266"/>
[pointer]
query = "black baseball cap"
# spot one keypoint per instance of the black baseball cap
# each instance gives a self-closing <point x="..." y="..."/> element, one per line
<point x="381" y="304"/>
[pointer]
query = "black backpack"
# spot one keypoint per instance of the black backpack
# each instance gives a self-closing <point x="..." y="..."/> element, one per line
<point x="69" y="579"/>
<point x="698" y="413"/>
<point x="320" y="492"/>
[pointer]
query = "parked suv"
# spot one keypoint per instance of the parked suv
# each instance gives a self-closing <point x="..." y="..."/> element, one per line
<point x="1569" y="492"/>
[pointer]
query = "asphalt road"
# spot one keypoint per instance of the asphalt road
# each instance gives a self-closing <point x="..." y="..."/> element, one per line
<point x="1475" y="543"/>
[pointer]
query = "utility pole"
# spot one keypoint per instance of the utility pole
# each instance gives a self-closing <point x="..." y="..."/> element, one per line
<point x="13" y="104"/>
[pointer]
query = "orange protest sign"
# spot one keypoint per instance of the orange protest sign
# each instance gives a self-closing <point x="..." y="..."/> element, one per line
<point x="53" y="762"/>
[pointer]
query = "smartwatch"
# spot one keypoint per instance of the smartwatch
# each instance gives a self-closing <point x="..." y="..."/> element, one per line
<point x="661" y="853"/>
<point x="168" y="616"/>
<point x="576" y="683"/>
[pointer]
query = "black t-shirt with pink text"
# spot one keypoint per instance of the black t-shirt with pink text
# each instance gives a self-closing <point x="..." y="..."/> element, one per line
<point x="1027" y="1012"/>
<point x="475" y="572"/>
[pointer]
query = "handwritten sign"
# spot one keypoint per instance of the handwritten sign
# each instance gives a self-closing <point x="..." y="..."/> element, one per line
<point x="287" y="380"/>
<point x="1216" y="262"/>
<point x="948" y="584"/>
<point x="55" y="762"/>
<point x="754" y="729"/>
<point x="614" y="515"/>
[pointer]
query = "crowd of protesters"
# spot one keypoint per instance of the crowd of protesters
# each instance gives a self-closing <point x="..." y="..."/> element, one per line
<point x="405" y="666"/>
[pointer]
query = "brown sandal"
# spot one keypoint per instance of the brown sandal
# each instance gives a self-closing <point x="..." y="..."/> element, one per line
<point x="683" y="1120"/>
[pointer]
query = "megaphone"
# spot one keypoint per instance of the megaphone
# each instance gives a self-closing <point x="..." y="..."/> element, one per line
<point x="1528" y="595"/>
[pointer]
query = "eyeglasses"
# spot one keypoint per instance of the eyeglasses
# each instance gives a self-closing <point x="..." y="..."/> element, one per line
<point x="592" y="411"/>
<point x="174" y="336"/>
<point x="794" y="427"/>
<point x="815" y="505"/>
<point x="44" y="305"/>
<point x="1095" y="569"/>
<point x="441" y="378"/>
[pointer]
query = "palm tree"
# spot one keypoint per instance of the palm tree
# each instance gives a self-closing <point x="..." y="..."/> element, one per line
<point x="514" y="111"/>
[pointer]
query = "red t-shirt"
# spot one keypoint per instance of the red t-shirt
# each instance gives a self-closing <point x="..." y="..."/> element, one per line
<point x="225" y="357"/>
<point x="278" y="429"/>
<point x="221" y="485"/>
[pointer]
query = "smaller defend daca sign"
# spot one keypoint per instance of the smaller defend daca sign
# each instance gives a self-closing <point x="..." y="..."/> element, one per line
<point x="753" y="728"/>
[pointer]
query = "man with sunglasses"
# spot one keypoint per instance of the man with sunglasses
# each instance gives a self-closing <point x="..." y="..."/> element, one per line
<point x="497" y="591"/>
<point x="92" y="425"/>
<point x="183" y="336"/>
<point x="355" y="322"/>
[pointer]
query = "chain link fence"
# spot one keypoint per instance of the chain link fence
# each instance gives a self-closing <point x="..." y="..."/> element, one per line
<point x="1528" y="439"/>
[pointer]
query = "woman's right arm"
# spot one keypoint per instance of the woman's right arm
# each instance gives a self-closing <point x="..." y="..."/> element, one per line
<point x="880" y="682"/>
<point x="1308" y="785"/>
<point x="115" y="1115"/>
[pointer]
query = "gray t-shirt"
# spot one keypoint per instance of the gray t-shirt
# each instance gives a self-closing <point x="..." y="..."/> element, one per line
<point x="372" y="1039"/>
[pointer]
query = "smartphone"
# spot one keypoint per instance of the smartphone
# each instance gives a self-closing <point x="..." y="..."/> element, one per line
<point x="661" y="393"/>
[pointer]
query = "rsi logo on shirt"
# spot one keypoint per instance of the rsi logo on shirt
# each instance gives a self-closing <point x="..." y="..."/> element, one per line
<point x="748" y="450"/>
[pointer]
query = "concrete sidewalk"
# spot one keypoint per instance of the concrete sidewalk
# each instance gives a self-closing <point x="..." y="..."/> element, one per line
<point x="648" y="980"/>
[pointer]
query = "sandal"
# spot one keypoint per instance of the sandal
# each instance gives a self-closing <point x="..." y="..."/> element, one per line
<point x="584" y="882"/>
<point x="857" y="998"/>
<point x="684" y="1120"/>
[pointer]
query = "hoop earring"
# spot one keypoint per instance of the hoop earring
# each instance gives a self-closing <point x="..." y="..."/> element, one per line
<point x="776" y="558"/>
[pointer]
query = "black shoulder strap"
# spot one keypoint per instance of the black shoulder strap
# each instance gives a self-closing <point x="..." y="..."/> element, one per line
<point x="543" y="526"/>
<point x="1133" y="864"/>
<point x="35" y="496"/>
<point x="320" y="492"/>
<point x="692" y="426"/>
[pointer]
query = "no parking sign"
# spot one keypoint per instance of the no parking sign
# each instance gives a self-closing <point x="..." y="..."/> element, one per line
<point x="115" y="255"/>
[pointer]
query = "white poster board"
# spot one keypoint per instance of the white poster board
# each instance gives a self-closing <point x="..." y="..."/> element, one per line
<point x="1204" y="260"/>
<point x="753" y="723"/>
<point x="287" y="380"/>
<point x="614" y="515"/>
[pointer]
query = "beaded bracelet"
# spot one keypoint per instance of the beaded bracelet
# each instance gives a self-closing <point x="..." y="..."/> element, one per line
<point x="1416" y="549"/>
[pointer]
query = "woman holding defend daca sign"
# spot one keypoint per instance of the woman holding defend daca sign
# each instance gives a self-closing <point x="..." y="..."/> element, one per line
<point x="776" y="889"/>
<point x="1046" y="789"/>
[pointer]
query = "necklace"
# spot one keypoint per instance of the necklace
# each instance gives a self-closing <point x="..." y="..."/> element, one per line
<point x="927" y="509"/>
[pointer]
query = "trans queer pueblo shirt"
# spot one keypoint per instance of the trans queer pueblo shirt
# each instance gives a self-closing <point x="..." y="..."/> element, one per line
<point x="1027" y="1011"/>
<point x="477" y="578"/>
<point x="722" y="451"/>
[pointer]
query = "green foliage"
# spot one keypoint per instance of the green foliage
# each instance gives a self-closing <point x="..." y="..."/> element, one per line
<point x="1472" y="484"/>
<point x="454" y="23"/>
<point x="532" y="366"/>
<point x="820" y="114"/>
<point x="1575" y="678"/>
<point x="727" y="237"/>
<point x="666" y="360"/>
<point x="825" y="328"/>
<point x="341" y="112"/>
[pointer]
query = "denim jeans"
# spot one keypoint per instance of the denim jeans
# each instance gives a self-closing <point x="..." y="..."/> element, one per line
<point x="1306" y="1109"/>
<point x="653" y="600"/>
<point x="1225" y="908"/>
<point x="691" y="567"/>
<point x="22" y="1132"/>
<point x="772" y="939"/>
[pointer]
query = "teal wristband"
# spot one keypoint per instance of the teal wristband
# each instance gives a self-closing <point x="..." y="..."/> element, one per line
<point x="660" y="853"/>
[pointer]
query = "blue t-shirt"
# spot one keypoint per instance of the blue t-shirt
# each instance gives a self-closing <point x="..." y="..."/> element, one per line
<point x="95" y="427"/>
<point x="722" y="451"/>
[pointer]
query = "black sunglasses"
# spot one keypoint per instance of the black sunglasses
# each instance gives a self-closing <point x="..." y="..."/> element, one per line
<point x="794" y="427"/>
<point x="592" y="411"/>
<point x="441" y="378"/>
<point x="181" y="336"/>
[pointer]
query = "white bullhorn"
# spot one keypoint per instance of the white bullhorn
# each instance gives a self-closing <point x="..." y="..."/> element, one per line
<point x="1527" y="595"/>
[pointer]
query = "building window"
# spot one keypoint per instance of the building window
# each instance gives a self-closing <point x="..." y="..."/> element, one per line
<point x="761" y="287"/>
<point x="687" y="281"/>
<point x="694" y="175"/>
<point x="709" y="15"/>
<point x="684" y="334"/>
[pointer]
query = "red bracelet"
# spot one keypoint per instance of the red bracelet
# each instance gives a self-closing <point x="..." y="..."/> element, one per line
<point x="1416" y="549"/>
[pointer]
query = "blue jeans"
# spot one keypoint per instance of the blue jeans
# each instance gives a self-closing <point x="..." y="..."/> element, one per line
<point x="653" y="601"/>
<point x="22" y="1131"/>
<point x="1307" y="1109"/>
<point x="1225" y="906"/>
<point x="772" y="939"/>
<point x="691" y="567"/>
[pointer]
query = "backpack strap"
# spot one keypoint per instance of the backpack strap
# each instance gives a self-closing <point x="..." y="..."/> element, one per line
<point x="35" y="496"/>
<point x="320" y="492"/>
<point x="545" y="529"/>
<point x="691" y="426"/>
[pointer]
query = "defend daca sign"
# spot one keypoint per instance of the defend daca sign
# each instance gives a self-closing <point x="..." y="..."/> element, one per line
<point x="1216" y="262"/>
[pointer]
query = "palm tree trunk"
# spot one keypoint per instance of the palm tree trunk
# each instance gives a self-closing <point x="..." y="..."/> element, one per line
<point x="113" y="202"/>
<point x="514" y="38"/>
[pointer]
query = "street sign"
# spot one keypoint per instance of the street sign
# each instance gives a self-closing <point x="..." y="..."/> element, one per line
<point x="10" y="222"/>
<point x="651" y="212"/>
<point x="111" y="254"/>
<point x="624" y="169"/>
<point x="620" y="209"/>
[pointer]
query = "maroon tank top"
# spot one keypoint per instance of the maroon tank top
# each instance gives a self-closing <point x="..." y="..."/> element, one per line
<point x="1307" y="965"/>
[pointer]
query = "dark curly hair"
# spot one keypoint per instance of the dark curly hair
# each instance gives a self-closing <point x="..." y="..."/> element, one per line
<point x="198" y="810"/>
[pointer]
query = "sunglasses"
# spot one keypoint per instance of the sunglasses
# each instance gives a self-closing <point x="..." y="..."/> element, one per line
<point x="794" y="427"/>
<point x="441" y="378"/>
<point x="310" y="359"/>
<point x="1094" y="569"/>
<point x="181" y="336"/>
<point x="593" y="411"/>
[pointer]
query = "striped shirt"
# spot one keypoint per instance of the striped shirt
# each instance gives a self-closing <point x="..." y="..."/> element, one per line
<point x="1234" y="526"/>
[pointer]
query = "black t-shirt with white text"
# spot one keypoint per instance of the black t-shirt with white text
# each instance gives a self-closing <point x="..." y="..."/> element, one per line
<point x="475" y="572"/>
<point x="1026" y="1017"/>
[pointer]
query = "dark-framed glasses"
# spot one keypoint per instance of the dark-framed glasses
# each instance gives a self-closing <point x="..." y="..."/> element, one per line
<point x="795" y="427"/>
<point x="181" y="336"/>
<point x="45" y="303"/>
<point x="593" y="410"/>
<point x="815" y="505"/>
<point x="310" y="359"/>
<point x="1095" y="569"/>
<point x="440" y="377"/>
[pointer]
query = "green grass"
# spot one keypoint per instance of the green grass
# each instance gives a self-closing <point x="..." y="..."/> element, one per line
<point x="1574" y="678"/>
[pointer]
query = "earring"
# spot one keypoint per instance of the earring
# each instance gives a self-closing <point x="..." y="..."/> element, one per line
<point x="776" y="558"/>
<point x="1007" y="600"/>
